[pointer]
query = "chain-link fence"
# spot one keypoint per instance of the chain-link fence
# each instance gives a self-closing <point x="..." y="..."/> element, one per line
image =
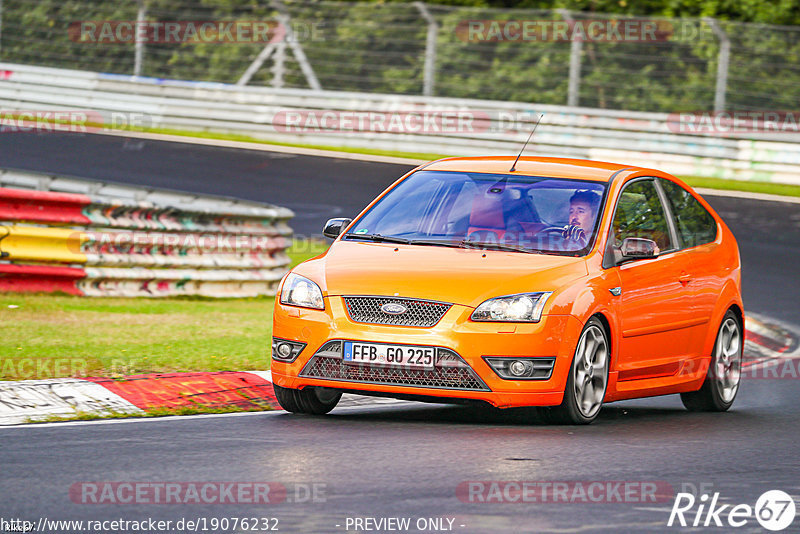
<point x="545" y="57"/>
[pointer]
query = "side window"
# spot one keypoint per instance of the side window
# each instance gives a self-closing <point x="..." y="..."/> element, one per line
<point x="641" y="214"/>
<point x="695" y="224"/>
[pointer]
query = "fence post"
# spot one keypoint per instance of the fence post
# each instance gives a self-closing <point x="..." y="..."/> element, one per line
<point x="138" y="54"/>
<point x="430" y="49"/>
<point x="279" y="65"/>
<point x="294" y="44"/>
<point x="267" y="51"/>
<point x="575" y="49"/>
<point x="722" y="63"/>
<point x="288" y="38"/>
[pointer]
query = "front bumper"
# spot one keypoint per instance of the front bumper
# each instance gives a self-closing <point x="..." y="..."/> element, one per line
<point x="555" y="336"/>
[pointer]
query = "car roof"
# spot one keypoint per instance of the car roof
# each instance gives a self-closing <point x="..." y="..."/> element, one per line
<point x="532" y="166"/>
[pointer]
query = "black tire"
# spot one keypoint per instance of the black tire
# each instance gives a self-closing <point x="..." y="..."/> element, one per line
<point x="309" y="400"/>
<point x="569" y="412"/>
<point x="711" y="395"/>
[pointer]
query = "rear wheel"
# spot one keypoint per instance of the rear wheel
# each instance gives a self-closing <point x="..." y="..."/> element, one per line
<point x="310" y="400"/>
<point x="587" y="381"/>
<point x="724" y="372"/>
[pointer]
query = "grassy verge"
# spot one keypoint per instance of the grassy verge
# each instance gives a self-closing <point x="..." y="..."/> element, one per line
<point x="51" y="336"/>
<point x="694" y="181"/>
<point x="738" y="185"/>
<point x="426" y="156"/>
<point x="302" y="250"/>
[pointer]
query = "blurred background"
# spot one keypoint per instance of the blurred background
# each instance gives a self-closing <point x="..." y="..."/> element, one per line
<point x="752" y="49"/>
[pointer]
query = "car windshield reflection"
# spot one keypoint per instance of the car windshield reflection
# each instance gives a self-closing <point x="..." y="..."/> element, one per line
<point x="490" y="211"/>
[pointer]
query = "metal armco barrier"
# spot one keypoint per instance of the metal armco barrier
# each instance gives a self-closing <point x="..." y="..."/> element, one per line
<point x="102" y="239"/>
<point x="43" y="207"/>
<point x="39" y="278"/>
<point x="636" y="138"/>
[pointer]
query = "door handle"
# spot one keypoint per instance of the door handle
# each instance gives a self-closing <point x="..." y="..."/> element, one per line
<point x="685" y="278"/>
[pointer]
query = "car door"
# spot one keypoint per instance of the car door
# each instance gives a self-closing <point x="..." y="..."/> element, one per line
<point x="697" y="233"/>
<point x="654" y="304"/>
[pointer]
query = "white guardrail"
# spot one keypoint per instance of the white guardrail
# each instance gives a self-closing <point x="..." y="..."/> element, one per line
<point x="635" y="138"/>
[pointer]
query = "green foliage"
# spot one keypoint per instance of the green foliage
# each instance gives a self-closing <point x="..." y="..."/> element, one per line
<point x="640" y="214"/>
<point x="379" y="46"/>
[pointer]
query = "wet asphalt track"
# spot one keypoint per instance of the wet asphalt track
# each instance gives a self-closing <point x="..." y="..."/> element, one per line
<point x="406" y="460"/>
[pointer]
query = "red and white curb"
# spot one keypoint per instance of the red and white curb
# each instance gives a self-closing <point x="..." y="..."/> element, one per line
<point x="768" y="346"/>
<point x="32" y="400"/>
<point x="22" y="402"/>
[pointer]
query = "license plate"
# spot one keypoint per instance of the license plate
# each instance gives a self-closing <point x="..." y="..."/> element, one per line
<point x="406" y="356"/>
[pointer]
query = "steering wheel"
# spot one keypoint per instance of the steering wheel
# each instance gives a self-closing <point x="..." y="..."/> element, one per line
<point x="551" y="230"/>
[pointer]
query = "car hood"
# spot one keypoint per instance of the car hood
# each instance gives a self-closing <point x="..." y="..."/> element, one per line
<point x="459" y="276"/>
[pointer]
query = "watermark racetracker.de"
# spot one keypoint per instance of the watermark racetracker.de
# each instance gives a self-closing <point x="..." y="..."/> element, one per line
<point x="423" y="121"/>
<point x="564" y="491"/>
<point x="590" y="30"/>
<point x="72" y="121"/>
<point x="734" y="122"/>
<point x="100" y="32"/>
<point x="196" y="492"/>
<point x="543" y="30"/>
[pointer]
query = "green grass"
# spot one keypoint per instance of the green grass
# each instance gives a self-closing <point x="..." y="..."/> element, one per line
<point x="302" y="250"/>
<point x="739" y="185"/>
<point x="50" y="336"/>
<point x="250" y="139"/>
<point x="694" y="181"/>
<point x="62" y="335"/>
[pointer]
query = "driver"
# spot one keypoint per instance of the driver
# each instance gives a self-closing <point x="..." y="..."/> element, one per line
<point x="582" y="213"/>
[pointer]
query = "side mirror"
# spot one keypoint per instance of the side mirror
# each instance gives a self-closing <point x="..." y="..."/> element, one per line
<point x="334" y="227"/>
<point x="637" y="248"/>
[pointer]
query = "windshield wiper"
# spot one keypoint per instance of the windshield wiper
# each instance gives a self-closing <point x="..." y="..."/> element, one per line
<point x="466" y="243"/>
<point x="378" y="238"/>
<point x="435" y="243"/>
<point x="496" y="246"/>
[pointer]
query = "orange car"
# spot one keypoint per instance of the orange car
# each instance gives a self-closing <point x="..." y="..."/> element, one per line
<point x="562" y="284"/>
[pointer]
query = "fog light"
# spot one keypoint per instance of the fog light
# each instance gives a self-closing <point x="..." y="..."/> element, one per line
<point x="517" y="368"/>
<point x="284" y="350"/>
<point x="521" y="368"/>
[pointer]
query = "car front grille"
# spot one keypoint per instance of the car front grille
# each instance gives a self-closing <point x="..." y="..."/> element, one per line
<point x="327" y="363"/>
<point x="420" y="313"/>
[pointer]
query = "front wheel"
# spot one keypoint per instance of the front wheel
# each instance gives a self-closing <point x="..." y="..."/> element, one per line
<point x="309" y="400"/>
<point x="724" y="372"/>
<point x="587" y="381"/>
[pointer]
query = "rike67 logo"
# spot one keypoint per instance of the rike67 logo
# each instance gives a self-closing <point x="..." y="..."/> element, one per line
<point x="774" y="510"/>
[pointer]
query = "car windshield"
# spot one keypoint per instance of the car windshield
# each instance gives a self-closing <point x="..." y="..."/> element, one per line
<point x="493" y="211"/>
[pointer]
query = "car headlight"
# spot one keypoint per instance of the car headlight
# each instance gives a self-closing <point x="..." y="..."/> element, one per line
<point x="521" y="308"/>
<point x="300" y="291"/>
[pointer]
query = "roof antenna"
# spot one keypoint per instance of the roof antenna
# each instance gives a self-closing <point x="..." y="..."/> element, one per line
<point x="513" y="165"/>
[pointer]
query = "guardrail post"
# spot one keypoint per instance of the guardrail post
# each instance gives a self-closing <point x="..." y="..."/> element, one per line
<point x="430" y="49"/>
<point x="575" y="50"/>
<point x="722" y="63"/>
<point x="138" y="53"/>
